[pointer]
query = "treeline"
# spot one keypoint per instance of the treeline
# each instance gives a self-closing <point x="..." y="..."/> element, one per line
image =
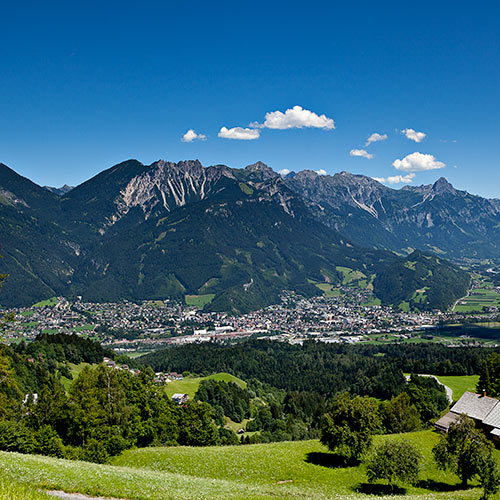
<point x="433" y="358"/>
<point x="64" y="348"/>
<point x="373" y="370"/>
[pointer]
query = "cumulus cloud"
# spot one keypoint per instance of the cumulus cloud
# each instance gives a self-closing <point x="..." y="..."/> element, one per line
<point x="396" y="179"/>
<point x="296" y="117"/>
<point x="375" y="137"/>
<point x="418" y="162"/>
<point x="413" y="135"/>
<point x="284" y="172"/>
<point x="361" y="152"/>
<point x="321" y="171"/>
<point x="191" y="135"/>
<point x="239" y="133"/>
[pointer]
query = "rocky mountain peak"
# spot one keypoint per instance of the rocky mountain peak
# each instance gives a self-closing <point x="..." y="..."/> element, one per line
<point x="264" y="171"/>
<point x="442" y="186"/>
<point x="306" y="175"/>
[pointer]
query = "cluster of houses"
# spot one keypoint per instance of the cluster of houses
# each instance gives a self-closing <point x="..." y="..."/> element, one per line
<point x="112" y="364"/>
<point x="484" y="410"/>
<point x="165" y="378"/>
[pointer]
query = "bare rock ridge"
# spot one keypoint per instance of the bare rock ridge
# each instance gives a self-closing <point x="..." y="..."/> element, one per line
<point x="165" y="185"/>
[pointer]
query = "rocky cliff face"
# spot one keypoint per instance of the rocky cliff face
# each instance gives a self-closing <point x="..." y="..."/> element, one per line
<point x="435" y="217"/>
<point x="165" y="186"/>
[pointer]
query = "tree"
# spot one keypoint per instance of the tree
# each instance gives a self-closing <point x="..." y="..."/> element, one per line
<point x="489" y="376"/>
<point x="463" y="450"/>
<point x="423" y="401"/>
<point x="489" y="476"/>
<point x="400" y="415"/>
<point x="394" y="461"/>
<point x="349" y="425"/>
<point x="196" y="427"/>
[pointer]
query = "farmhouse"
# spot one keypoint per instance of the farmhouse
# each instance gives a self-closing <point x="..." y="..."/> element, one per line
<point x="180" y="398"/>
<point x="485" y="411"/>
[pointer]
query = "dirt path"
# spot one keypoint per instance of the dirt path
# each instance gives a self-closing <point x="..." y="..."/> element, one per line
<point x="75" y="496"/>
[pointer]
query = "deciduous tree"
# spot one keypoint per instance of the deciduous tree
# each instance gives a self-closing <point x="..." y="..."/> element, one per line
<point x="463" y="450"/>
<point x="349" y="425"/>
<point x="396" y="461"/>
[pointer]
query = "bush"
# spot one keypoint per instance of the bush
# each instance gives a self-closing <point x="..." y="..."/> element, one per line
<point x="95" y="451"/>
<point x="394" y="461"/>
<point x="16" y="437"/>
<point x="49" y="443"/>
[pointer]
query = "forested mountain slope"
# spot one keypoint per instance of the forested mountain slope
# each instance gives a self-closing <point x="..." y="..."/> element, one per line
<point x="166" y="230"/>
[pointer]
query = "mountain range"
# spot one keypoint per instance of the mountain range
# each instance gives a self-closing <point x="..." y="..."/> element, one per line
<point x="238" y="236"/>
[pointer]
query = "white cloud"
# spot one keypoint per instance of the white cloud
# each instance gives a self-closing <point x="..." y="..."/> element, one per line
<point x="296" y="117"/>
<point x="418" y="162"/>
<point x="396" y="179"/>
<point x="413" y="135"/>
<point x="284" y="172"/>
<point x="191" y="135"/>
<point x="361" y="152"/>
<point x="321" y="171"/>
<point x="375" y="137"/>
<point x="239" y="133"/>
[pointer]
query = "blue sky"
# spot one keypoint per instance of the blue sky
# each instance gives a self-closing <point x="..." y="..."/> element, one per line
<point x="85" y="85"/>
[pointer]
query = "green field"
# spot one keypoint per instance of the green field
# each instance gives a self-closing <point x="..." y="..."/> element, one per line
<point x="459" y="384"/>
<point x="291" y="470"/>
<point x="350" y="276"/>
<point x="48" y="302"/>
<point x="190" y="384"/>
<point x="199" y="301"/>
<point x="84" y="328"/>
<point x="328" y="289"/>
<point x="477" y="299"/>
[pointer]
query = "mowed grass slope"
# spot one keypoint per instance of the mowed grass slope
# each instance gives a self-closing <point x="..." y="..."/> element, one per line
<point x="305" y="466"/>
<point x="190" y="384"/>
<point x="290" y="470"/>
<point x="459" y="383"/>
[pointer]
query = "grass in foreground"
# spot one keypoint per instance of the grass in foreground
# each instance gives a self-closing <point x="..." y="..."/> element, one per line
<point x="291" y="470"/>
<point x="459" y="384"/>
<point x="14" y="491"/>
<point x="190" y="385"/>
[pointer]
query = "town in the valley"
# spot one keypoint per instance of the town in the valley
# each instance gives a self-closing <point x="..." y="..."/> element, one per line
<point x="344" y="314"/>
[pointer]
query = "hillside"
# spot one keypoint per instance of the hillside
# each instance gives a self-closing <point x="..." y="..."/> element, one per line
<point x="280" y="470"/>
<point x="235" y="237"/>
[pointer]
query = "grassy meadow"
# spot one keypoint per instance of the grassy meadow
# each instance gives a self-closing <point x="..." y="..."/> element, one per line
<point x="48" y="302"/>
<point x="477" y="299"/>
<point x="290" y="470"/>
<point x="190" y="385"/>
<point x="199" y="301"/>
<point x="459" y="383"/>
